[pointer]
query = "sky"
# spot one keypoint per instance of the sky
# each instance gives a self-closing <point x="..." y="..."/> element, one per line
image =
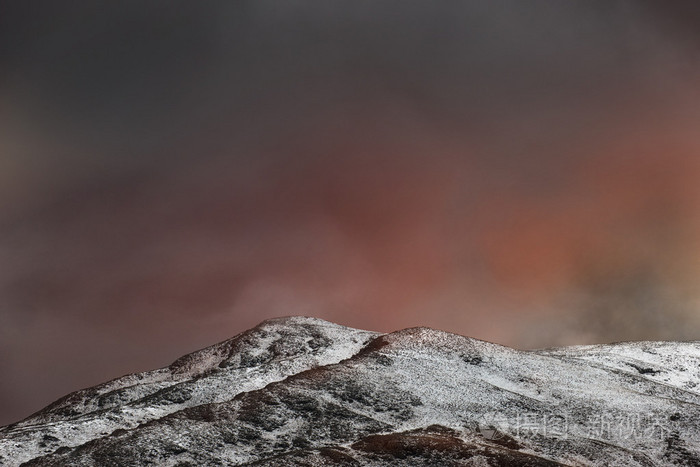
<point x="173" y="173"/>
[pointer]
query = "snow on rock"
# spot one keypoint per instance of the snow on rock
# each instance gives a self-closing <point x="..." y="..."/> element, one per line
<point x="302" y="391"/>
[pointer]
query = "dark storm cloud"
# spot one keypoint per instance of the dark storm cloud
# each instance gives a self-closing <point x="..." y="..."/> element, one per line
<point x="135" y="75"/>
<point x="174" y="172"/>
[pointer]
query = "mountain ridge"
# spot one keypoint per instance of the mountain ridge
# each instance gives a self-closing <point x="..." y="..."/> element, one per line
<point x="303" y="391"/>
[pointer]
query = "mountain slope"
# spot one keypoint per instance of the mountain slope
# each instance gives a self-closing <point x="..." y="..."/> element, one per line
<point x="301" y="391"/>
<point x="269" y="352"/>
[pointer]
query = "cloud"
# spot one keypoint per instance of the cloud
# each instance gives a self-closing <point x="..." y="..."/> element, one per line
<point x="172" y="174"/>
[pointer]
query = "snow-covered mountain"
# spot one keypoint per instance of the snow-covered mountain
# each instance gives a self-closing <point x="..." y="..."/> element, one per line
<point x="302" y="391"/>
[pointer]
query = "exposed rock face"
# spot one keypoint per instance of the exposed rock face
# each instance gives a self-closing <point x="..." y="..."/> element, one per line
<point x="302" y="391"/>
